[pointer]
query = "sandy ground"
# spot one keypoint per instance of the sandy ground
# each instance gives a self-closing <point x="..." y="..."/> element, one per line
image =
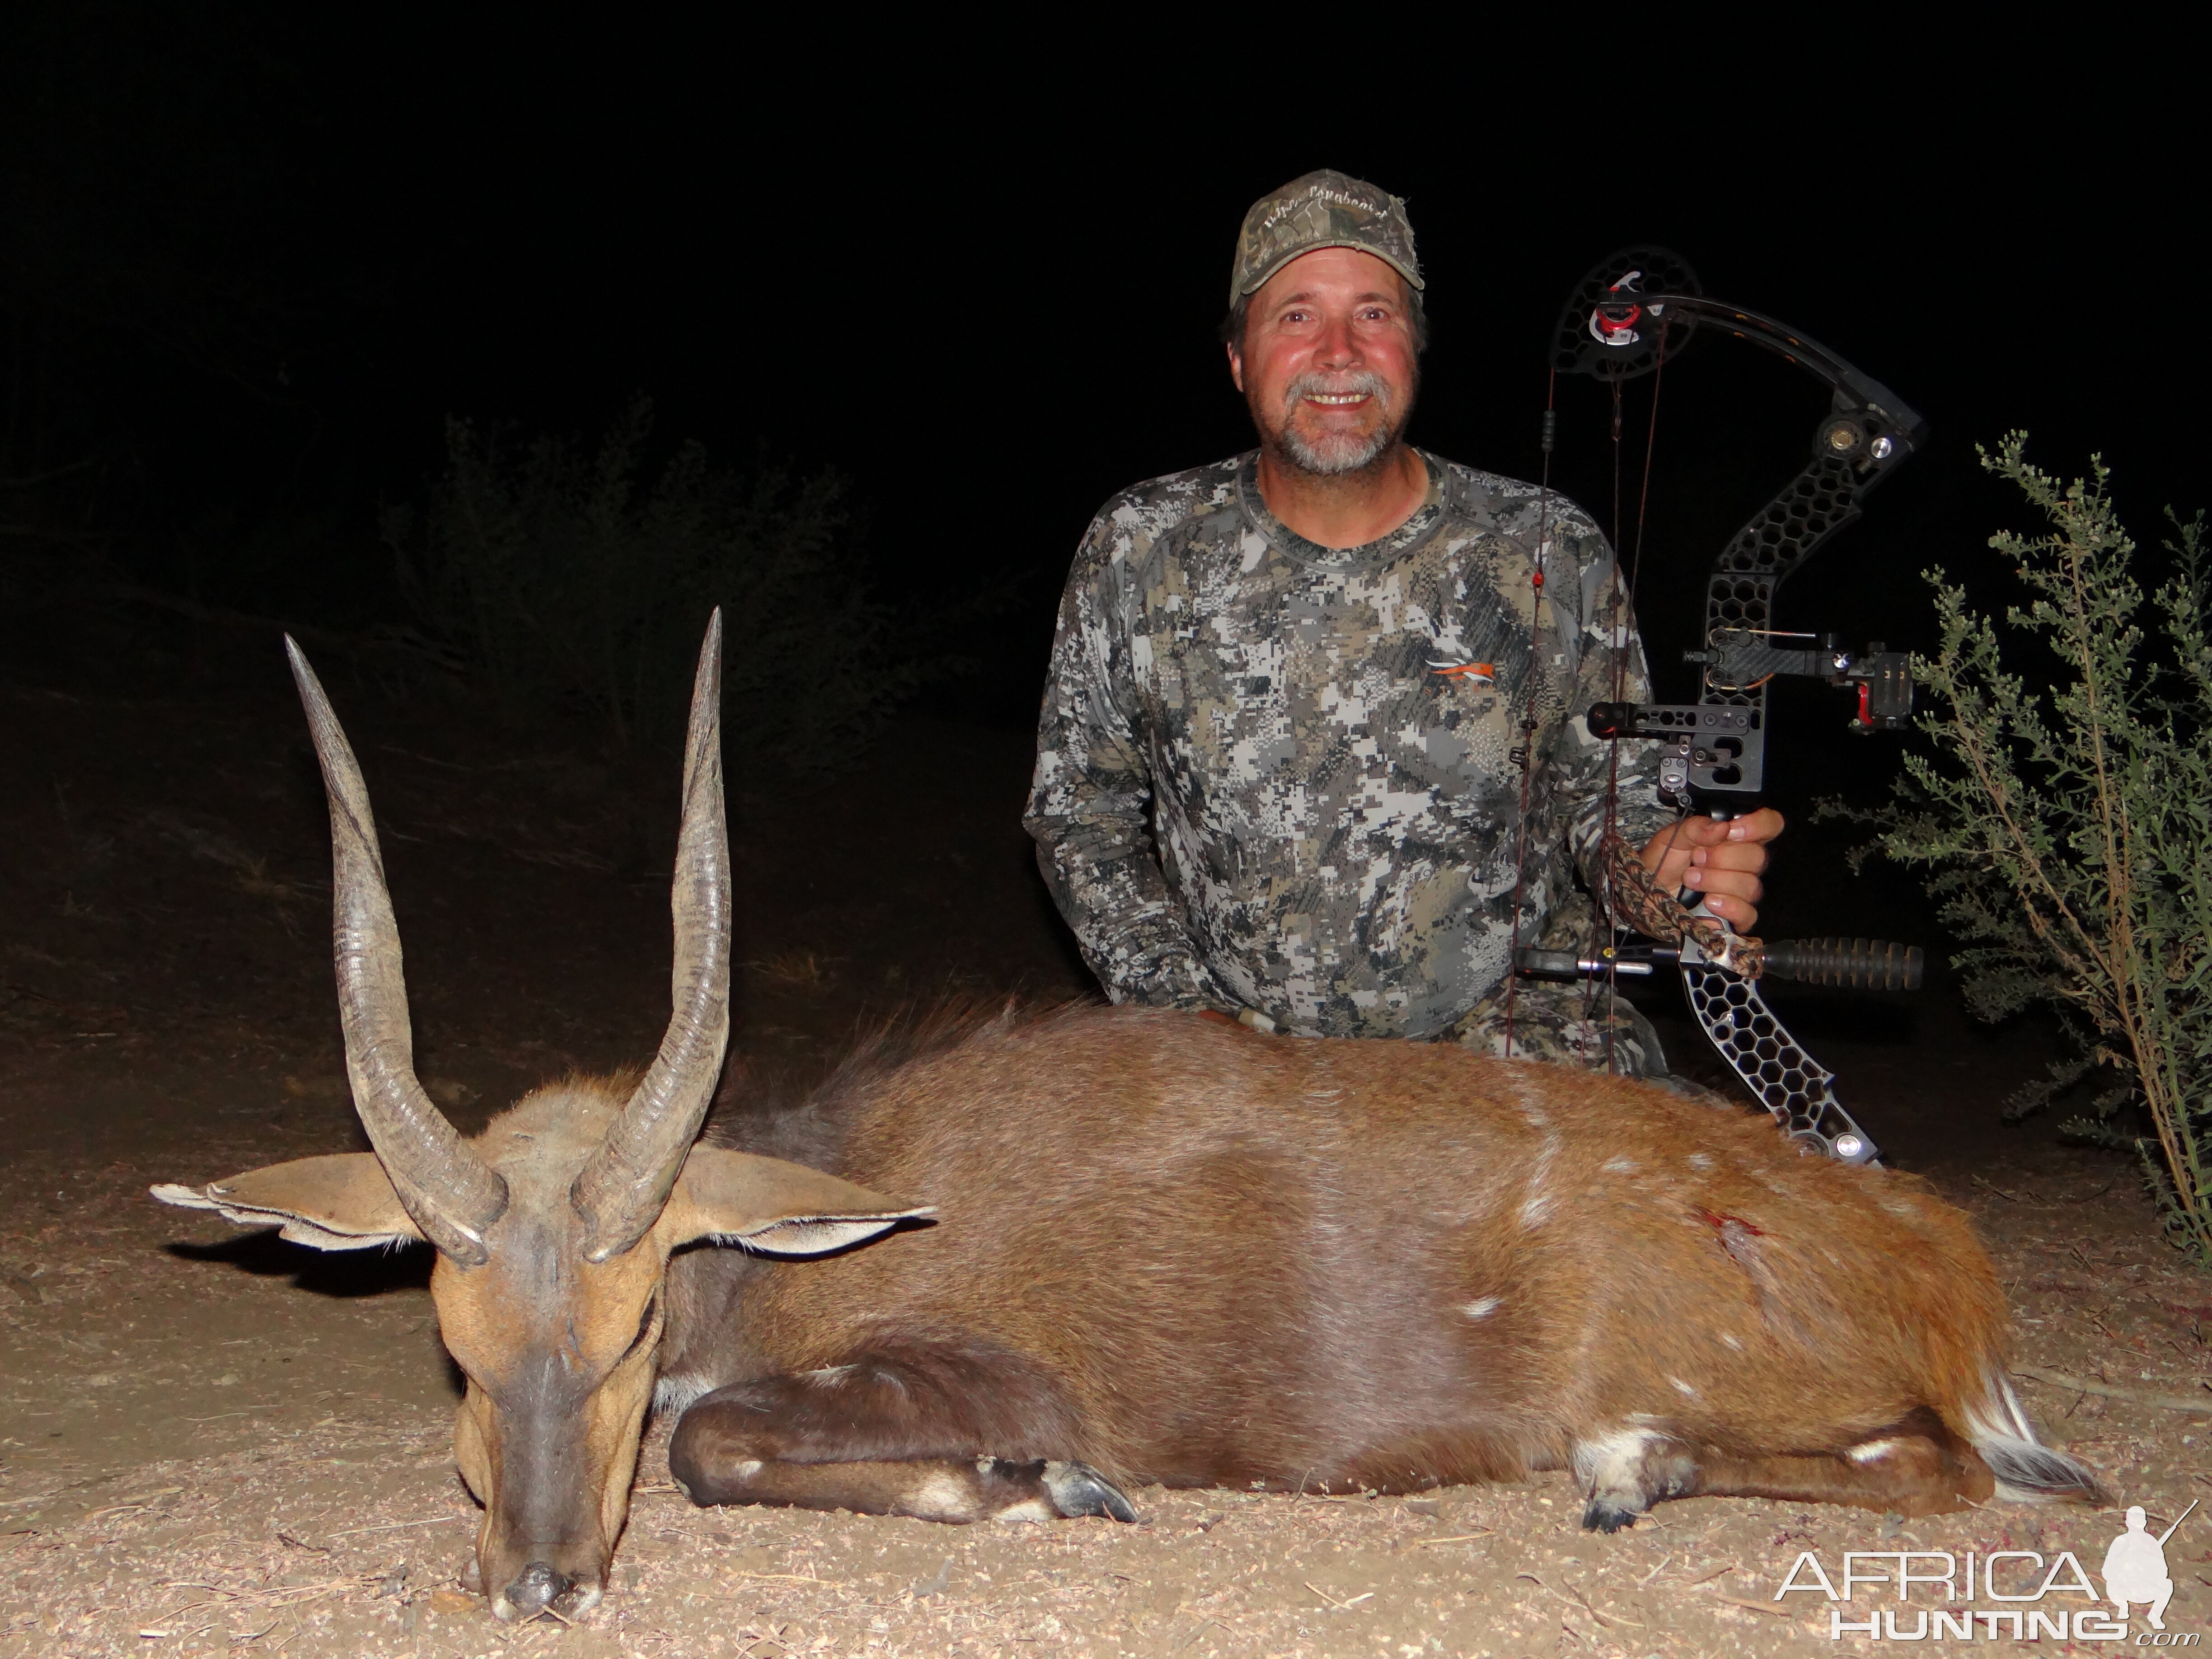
<point x="220" y="1443"/>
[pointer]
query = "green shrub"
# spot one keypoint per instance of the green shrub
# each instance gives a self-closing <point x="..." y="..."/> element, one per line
<point x="2068" y="833"/>
<point x="570" y="577"/>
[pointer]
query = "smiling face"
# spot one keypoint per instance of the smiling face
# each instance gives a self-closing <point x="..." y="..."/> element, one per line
<point x="1329" y="361"/>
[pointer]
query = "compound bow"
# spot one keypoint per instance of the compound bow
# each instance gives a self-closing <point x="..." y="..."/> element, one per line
<point x="1625" y="319"/>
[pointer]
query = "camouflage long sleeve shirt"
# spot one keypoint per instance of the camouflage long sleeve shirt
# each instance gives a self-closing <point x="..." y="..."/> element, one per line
<point x="1253" y="788"/>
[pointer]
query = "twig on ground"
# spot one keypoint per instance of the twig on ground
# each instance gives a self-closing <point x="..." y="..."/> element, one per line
<point x="1755" y="1607"/>
<point x="282" y="1596"/>
<point x="1602" y="1617"/>
<point x="43" y="1496"/>
<point x="2112" y="1391"/>
<point x="392" y="1526"/>
<point x="794" y="1578"/>
<point x="141" y="1500"/>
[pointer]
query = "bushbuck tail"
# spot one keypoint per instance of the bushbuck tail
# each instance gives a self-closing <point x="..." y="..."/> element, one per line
<point x="1130" y="1246"/>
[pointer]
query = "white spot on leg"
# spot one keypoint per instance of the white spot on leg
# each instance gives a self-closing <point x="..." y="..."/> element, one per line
<point x="942" y="1497"/>
<point x="1613" y="1463"/>
<point x="1684" y="1387"/>
<point x="1872" y="1451"/>
<point x="1481" y="1307"/>
<point x="1030" y="1509"/>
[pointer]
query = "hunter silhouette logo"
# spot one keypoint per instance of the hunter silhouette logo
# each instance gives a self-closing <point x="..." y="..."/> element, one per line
<point x="2135" y="1566"/>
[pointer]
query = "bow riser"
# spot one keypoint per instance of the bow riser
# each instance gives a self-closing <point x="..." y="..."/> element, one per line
<point x="1616" y="327"/>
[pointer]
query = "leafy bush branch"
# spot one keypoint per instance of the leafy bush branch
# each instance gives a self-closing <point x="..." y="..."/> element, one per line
<point x="570" y="576"/>
<point x="2068" y="833"/>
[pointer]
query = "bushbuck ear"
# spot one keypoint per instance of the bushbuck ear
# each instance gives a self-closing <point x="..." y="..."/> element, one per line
<point x="341" y="1203"/>
<point x="775" y="1207"/>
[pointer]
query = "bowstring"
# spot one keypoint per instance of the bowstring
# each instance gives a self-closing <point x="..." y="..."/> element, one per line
<point x="1642" y="505"/>
<point x="1603" y="926"/>
<point x="1528" y="718"/>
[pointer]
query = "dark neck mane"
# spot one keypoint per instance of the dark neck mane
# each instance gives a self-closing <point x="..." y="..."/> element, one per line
<point x="778" y="1109"/>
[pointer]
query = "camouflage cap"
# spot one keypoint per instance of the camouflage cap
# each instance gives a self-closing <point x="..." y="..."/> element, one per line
<point x="1326" y="208"/>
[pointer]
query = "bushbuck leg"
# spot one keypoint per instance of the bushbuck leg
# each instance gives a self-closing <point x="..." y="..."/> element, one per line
<point x="1918" y="1469"/>
<point x="1912" y="1474"/>
<point x="923" y="1489"/>
<point x="916" y="1433"/>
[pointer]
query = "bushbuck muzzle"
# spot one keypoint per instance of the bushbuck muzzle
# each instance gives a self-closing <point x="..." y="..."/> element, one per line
<point x="553" y="1229"/>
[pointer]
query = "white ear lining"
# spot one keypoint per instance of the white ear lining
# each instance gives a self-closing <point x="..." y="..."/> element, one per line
<point x="321" y="1238"/>
<point x="816" y="1235"/>
<point x="184" y="1197"/>
<point x="297" y="1229"/>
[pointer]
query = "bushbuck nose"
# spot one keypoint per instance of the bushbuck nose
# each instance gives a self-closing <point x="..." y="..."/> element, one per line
<point x="535" y="1586"/>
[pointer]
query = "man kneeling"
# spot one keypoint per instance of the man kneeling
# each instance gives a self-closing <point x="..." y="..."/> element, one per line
<point x="1280" y="766"/>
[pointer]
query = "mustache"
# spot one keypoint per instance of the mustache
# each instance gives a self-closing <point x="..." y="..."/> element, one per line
<point x="1365" y="380"/>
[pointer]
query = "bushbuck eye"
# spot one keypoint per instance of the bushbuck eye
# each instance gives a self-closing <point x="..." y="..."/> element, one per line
<point x="644" y="1326"/>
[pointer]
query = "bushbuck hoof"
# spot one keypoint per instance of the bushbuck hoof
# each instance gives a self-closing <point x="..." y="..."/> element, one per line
<point x="1626" y="1471"/>
<point x="1608" y="1515"/>
<point x="1077" y="1490"/>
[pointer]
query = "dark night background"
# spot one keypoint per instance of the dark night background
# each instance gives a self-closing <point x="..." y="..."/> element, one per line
<point x="253" y="256"/>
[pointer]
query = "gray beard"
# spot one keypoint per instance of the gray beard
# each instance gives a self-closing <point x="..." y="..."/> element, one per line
<point x="1337" y="456"/>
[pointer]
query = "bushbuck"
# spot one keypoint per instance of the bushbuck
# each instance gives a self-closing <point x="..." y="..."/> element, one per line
<point x="1130" y="1245"/>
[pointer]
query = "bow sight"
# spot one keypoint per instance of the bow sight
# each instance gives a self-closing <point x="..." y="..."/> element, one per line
<point x="1717" y="749"/>
<point x="1636" y="311"/>
<point x="1643" y="307"/>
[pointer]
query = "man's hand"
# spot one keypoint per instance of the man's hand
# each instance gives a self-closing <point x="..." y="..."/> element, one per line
<point x="1719" y="860"/>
